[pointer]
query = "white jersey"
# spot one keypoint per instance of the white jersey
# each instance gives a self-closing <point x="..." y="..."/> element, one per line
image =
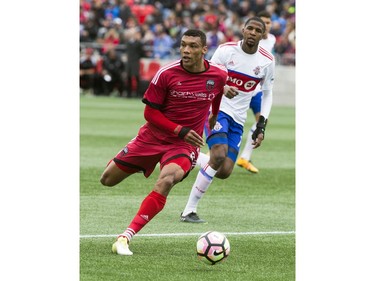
<point x="267" y="44"/>
<point x="245" y="71"/>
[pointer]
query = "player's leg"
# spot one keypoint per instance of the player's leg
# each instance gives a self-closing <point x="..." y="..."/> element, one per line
<point x="133" y="158"/>
<point x="224" y="145"/>
<point x="151" y="205"/>
<point x="203" y="159"/>
<point x="138" y="156"/>
<point x="113" y="175"/>
<point x="234" y="143"/>
<point x="244" y="160"/>
<point x="173" y="170"/>
<point x="248" y="148"/>
<point x="202" y="182"/>
<point x="217" y="142"/>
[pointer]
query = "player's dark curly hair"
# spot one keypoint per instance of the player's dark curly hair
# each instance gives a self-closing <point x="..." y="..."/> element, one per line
<point x="196" y="33"/>
<point x="256" y="19"/>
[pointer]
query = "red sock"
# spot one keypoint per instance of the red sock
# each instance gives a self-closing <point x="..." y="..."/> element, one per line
<point x="150" y="207"/>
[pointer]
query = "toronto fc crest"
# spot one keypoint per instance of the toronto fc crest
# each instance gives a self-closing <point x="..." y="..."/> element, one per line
<point x="256" y="70"/>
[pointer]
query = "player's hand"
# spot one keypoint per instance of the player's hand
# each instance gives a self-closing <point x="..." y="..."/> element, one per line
<point x="230" y="91"/>
<point x="212" y="120"/>
<point x="194" y="138"/>
<point x="258" y="141"/>
<point x="258" y="134"/>
<point x="191" y="136"/>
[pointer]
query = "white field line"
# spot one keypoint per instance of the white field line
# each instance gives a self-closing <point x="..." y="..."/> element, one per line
<point x="191" y="234"/>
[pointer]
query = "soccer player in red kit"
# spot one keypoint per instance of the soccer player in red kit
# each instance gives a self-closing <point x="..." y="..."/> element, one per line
<point x="177" y="100"/>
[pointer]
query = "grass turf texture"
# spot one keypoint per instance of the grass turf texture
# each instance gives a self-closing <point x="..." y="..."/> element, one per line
<point x="245" y="202"/>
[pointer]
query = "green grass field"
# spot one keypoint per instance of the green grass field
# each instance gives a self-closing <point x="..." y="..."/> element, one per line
<point x="257" y="212"/>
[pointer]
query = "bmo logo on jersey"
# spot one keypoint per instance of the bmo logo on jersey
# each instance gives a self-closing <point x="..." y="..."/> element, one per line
<point x="243" y="82"/>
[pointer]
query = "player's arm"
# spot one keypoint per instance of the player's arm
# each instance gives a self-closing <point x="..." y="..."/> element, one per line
<point x="267" y="99"/>
<point x="230" y="91"/>
<point x="158" y="119"/>
<point x="259" y="133"/>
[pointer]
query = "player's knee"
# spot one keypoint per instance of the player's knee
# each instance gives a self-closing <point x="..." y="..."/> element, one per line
<point x="164" y="185"/>
<point x="217" y="159"/>
<point x="105" y="180"/>
<point x="223" y="174"/>
<point x="170" y="180"/>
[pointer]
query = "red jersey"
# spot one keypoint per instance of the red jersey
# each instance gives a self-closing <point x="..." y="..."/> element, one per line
<point x="184" y="97"/>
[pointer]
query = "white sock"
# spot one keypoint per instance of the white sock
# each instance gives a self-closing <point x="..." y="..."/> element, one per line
<point x="128" y="233"/>
<point x="248" y="149"/>
<point x="202" y="159"/>
<point x="200" y="186"/>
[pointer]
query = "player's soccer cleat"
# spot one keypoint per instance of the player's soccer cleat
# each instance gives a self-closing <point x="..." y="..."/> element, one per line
<point x="252" y="168"/>
<point x="247" y="165"/>
<point x="121" y="247"/>
<point x="192" y="218"/>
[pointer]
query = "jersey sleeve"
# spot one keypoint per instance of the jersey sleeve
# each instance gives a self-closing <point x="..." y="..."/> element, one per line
<point x="267" y="81"/>
<point x="217" y="58"/>
<point x="267" y="85"/>
<point x="156" y="93"/>
<point x="159" y="120"/>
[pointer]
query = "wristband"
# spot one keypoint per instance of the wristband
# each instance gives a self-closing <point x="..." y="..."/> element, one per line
<point x="260" y="128"/>
<point x="262" y="121"/>
<point x="183" y="132"/>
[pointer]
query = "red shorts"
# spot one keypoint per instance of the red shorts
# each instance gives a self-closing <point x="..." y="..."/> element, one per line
<point x="145" y="151"/>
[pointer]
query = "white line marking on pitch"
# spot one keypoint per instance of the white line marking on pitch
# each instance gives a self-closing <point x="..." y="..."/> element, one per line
<point x="191" y="234"/>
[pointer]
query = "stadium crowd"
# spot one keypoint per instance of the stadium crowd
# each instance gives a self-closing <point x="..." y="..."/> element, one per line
<point x="107" y="27"/>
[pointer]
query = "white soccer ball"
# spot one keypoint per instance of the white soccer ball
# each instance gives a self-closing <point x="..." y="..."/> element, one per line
<point x="212" y="247"/>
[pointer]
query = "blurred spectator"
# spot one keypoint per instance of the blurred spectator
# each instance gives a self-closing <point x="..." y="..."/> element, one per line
<point x="89" y="31"/>
<point x="134" y="51"/>
<point x="157" y="15"/>
<point x="98" y="8"/>
<point x="234" y="22"/>
<point x="112" y="10"/>
<point x="214" y="38"/>
<point x="84" y="11"/>
<point x="141" y="10"/>
<point x="162" y="43"/>
<point x="231" y="36"/>
<point x="276" y="28"/>
<point x="179" y="9"/>
<point x="258" y="6"/>
<point x="119" y="27"/>
<point x="104" y="23"/>
<point x="285" y="45"/>
<point x="234" y="6"/>
<point x="111" y="39"/>
<point x="113" y="73"/>
<point x="88" y="76"/>
<point x="147" y="40"/>
<point x="125" y="12"/>
<point x="244" y="10"/>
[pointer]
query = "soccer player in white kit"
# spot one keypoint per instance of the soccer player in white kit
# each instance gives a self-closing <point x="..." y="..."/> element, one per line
<point x="268" y="43"/>
<point x="248" y="65"/>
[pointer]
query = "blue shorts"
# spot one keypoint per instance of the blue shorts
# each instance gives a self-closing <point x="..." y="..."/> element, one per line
<point x="226" y="131"/>
<point x="256" y="102"/>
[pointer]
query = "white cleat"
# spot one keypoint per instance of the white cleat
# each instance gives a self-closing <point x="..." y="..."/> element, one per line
<point x="121" y="247"/>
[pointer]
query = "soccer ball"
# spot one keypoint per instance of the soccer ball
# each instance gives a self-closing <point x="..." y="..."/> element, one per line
<point x="212" y="247"/>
